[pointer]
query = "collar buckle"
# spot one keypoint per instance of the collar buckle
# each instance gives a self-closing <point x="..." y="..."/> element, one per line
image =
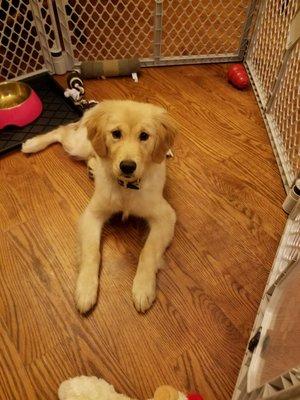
<point x="130" y="185"/>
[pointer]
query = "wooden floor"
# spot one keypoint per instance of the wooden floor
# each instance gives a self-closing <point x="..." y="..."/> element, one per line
<point x="226" y="189"/>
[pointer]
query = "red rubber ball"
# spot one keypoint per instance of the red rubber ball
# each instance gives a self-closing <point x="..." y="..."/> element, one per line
<point x="237" y="76"/>
<point x="234" y="69"/>
<point x="194" y="396"/>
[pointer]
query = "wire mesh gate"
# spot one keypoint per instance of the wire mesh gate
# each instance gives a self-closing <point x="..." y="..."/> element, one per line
<point x="273" y="61"/>
<point x="24" y="47"/>
<point x="287" y="257"/>
<point x="159" y="32"/>
<point x="274" y="65"/>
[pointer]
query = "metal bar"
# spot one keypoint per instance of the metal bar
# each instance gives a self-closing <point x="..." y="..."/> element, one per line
<point x="244" y="39"/>
<point x="60" y="65"/>
<point x="36" y="12"/>
<point x="158" y="27"/>
<point x="184" y="60"/>
<point x="262" y="6"/>
<point x="54" y="27"/>
<point x="282" y="69"/>
<point x="285" y="179"/>
<point x="259" y="89"/>
<point x="70" y="59"/>
<point x="285" y="162"/>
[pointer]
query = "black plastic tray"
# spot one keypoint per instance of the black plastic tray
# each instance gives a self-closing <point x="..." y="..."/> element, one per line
<point x="57" y="110"/>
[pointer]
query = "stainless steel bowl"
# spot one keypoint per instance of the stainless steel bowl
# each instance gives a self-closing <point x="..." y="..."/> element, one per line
<point x="13" y="94"/>
<point x="19" y="104"/>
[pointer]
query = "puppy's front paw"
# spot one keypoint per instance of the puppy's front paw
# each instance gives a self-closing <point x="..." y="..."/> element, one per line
<point x="86" y="291"/>
<point x="143" y="292"/>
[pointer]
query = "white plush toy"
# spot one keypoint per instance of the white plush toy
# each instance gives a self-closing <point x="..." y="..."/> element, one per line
<point x="92" y="388"/>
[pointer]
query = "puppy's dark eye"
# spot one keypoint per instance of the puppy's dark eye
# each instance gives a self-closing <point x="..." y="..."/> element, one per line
<point x="144" y="136"/>
<point x="116" y="134"/>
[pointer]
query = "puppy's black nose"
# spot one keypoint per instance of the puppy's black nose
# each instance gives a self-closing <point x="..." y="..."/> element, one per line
<point x="127" y="166"/>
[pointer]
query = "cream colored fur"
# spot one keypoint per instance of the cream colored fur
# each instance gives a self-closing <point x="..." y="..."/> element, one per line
<point x="92" y="388"/>
<point x="88" y="388"/>
<point x="91" y="139"/>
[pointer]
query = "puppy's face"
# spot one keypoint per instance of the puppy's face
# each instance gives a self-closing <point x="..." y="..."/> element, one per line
<point x="131" y="135"/>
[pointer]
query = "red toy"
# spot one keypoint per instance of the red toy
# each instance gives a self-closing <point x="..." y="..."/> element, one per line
<point x="194" y="396"/>
<point x="238" y="77"/>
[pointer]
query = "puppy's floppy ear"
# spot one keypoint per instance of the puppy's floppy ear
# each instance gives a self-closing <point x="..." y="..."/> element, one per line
<point x="95" y="120"/>
<point x="165" y="135"/>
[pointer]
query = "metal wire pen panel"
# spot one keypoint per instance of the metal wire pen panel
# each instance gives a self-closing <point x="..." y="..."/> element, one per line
<point x="285" y="262"/>
<point x="206" y="27"/>
<point x="48" y="23"/>
<point x="155" y="30"/>
<point x="284" y="116"/>
<point x="110" y="29"/>
<point x="267" y="48"/>
<point x="289" y="248"/>
<point x="20" y="49"/>
<point x="158" y="32"/>
<point x="23" y="41"/>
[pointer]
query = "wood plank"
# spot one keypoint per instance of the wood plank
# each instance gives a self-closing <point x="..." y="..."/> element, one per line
<point x="14" y="381"/>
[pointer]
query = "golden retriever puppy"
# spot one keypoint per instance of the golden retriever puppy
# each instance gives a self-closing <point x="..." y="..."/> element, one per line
<point x="126" y="143"/>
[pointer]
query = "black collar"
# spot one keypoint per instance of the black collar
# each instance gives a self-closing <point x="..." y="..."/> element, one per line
<point x="130" y="185"/>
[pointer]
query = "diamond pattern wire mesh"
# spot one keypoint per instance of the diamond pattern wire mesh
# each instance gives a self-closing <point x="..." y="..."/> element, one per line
<point x="20" y="50"/>
<point x="289" y="247"/>
<point x="267" y="49"/>
<point x="206" y="27"/>
<point x="110" y="29"/>
<point x="291" y="250"/>
<point x="285" y="112"/>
